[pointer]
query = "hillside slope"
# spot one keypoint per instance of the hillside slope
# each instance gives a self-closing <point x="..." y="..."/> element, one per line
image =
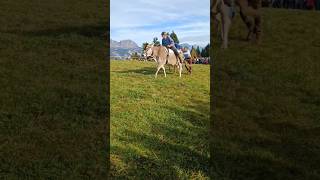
<point x="159" y="127"/>
<point x="267" y="100"/>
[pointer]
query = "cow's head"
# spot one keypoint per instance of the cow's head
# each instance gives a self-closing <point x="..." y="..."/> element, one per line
<point x="148" y="50"/>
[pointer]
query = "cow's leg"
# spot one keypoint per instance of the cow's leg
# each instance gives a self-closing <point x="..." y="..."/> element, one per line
<point x="222" y="30"/>
<point x="223" y="37"/>
<point x="185" y="65"/>
<point x="178" y="66"/>
<point x="257" y="21"/>
<point x="190" y="65"/>
<point x="248" y="10"/>
<point x="217" y="25"/>
<point x="249" y="25"/>
<point x="180" y="69"/>
<point x="253" y="11"/>
<point x="164" y="71"/>
<point x="157" y="71"/>
<point x="243" y="4"/>
<point x="226" y="26"/>
<point x="226" y="35"/>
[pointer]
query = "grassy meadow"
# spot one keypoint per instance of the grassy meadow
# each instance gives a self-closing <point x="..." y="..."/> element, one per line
<point x="53" y="100"/>
<point x="159" y="127"/>
<point x="266" y="100"/>
<point x="53" y="110"/>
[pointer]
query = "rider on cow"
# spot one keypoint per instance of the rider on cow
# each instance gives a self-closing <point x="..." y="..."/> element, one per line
<point x="168" y="42"/>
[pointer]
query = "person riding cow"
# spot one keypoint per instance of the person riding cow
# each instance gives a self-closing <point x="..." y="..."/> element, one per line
<point x="168" y="42"/>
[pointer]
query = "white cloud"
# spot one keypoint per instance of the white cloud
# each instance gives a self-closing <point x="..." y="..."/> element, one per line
<point x="141" y="20"/>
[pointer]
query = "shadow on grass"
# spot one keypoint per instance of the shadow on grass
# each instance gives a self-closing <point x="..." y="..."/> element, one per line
<point x="294" y="155"/>
<point x="152" y="71"/>
<point x="144" y="71"/>
<point x="91" y="31"/>
<point x="174" y="150"/>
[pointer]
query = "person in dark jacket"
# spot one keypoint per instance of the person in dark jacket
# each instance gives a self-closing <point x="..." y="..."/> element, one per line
<point x="168" y="42"/>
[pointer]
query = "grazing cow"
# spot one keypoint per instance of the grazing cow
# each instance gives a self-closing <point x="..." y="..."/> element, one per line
<point x="163" y="56"/>
<point x="248" y="8"/>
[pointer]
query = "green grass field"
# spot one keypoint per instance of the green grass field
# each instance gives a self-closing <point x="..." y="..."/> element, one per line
<point x="53" y="76"/>
<point x="266" y="113"/>
<point x="53" y="98"/>
<point x="159" y="127"/>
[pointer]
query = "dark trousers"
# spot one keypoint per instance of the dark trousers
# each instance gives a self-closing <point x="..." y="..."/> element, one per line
<point x="174" y="49"/>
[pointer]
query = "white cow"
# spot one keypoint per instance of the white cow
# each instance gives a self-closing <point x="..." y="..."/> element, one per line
<point x="163" y="56"/>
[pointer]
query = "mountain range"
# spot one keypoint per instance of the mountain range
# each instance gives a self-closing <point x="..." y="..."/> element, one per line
<point x="123" y="48"/>
<point x="190" y="46"/>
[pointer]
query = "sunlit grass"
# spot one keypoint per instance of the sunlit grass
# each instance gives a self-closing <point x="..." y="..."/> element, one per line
<point x="159" y="127"/>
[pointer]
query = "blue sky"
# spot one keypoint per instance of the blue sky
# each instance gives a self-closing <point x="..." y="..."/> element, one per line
<point x="141" y="20"/>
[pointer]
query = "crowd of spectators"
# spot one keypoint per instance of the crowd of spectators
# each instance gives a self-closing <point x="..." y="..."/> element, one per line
<point x="203" y="60"/>
<point x="296" y="4"/>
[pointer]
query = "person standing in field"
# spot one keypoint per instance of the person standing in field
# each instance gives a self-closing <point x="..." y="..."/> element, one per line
<point x="168" y="42"/>
<point x="186" y="53"/>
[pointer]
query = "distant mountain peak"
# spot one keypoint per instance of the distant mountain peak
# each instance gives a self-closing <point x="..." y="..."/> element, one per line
<point x="127" y="43"/>
<point x="189" y="46"/>
<point x="123" y="48"/>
